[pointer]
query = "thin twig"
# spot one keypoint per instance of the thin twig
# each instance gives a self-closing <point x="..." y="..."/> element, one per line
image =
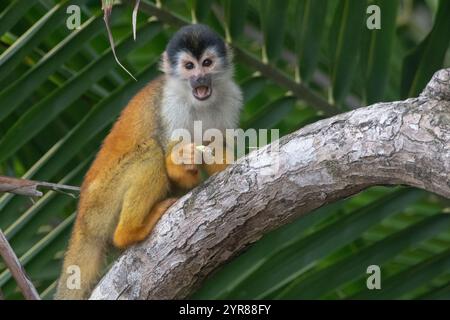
<point x="17" y="271"/>
<point x="26" y="187"/>
<point x="107" y="10"/>
<point x="134" y="18"/>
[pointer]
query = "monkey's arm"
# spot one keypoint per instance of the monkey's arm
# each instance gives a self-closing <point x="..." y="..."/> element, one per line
<point x="187" y="175"/>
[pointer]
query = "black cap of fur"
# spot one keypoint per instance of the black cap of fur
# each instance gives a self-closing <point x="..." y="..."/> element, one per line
<point x="194" y="38"/>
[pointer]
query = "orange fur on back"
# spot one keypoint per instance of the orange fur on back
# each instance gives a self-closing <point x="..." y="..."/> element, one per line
<point x="137" y="123"/>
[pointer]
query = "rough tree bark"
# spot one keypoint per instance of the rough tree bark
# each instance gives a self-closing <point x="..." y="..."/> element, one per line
<point x="405" y="142"/>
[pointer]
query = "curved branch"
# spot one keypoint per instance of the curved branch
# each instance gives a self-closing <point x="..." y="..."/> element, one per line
<point x="405" y="142"/>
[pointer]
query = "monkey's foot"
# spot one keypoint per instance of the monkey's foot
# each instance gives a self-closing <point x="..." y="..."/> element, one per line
<point x="166" y="204"/>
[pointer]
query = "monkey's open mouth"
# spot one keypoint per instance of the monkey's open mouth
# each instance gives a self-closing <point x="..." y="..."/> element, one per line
<point x="202" y="92"/>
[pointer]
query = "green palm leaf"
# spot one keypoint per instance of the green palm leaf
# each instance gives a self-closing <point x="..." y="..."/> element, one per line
<point x="60" y="92"/>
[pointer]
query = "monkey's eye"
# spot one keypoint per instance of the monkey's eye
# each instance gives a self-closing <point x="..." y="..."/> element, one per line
<point x="189" y="65"/>
<point x="207" y="62"/>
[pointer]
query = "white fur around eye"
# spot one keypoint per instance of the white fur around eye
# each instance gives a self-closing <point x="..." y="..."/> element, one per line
<point x="182" y="59"/>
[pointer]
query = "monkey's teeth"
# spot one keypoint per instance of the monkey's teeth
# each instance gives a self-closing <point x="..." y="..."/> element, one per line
<point x="202" y="91"/>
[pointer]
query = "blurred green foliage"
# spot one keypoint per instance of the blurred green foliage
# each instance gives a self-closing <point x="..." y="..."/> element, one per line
<point x="60" y="91"/>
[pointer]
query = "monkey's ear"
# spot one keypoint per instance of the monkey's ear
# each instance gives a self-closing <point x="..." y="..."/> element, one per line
<point x="164" y="65"/>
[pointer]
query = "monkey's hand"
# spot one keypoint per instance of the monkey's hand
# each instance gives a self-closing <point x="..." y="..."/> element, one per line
<point x="182" y="165"/>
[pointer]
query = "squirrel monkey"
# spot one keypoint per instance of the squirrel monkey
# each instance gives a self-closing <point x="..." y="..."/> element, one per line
<point x="134" y="177"/>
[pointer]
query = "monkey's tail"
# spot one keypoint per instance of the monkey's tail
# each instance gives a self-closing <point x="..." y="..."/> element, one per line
<point x="81" y="268"/>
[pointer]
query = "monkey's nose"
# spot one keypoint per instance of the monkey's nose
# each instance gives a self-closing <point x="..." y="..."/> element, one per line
<point x="200" y="81"/>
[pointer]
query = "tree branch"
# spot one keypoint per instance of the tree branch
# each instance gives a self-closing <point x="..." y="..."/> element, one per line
<point x="405" y="142"/>
<point x="29" y="187"/>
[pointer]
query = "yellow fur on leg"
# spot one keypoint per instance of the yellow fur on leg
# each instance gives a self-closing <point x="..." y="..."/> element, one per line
<point x="148" y="186"/>
<point x="126" y="235"/>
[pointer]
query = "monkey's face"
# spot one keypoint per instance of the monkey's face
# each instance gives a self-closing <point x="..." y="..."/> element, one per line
<point x="199" y="61"/>
<point x="200" y="74"/>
